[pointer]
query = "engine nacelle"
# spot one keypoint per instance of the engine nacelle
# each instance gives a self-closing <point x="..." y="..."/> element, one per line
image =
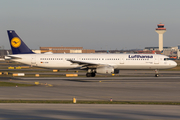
<point x="106" y="70"/>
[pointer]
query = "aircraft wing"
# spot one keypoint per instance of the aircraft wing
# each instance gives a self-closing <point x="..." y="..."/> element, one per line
<point x="88" y="64"/>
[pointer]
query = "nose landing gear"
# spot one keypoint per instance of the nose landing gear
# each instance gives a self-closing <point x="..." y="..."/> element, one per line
<point x="156" y="73"/>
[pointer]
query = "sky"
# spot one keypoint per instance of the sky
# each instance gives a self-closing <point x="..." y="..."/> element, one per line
<point x="91" y="24"/>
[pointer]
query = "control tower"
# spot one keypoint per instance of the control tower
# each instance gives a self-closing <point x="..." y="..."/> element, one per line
<point x="160" y="30"/>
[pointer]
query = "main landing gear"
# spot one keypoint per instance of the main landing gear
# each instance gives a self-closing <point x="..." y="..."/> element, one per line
<point x="90" y="74"/>
<point x="156" y="73"/>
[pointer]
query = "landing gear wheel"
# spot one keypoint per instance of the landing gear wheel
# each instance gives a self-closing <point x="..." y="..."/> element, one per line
<point x="93" y="74"/>
<point x="156" y="75"/>
<point x="90" y="74"/>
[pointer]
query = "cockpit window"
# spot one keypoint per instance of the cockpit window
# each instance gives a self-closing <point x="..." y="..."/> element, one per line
<point x="165" y="59"/>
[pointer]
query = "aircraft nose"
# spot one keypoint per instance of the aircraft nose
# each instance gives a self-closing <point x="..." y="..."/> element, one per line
<point x="173" y="63"/>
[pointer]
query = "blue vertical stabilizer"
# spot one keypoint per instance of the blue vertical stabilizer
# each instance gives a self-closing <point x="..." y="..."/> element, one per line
<point x="17" y="45"/>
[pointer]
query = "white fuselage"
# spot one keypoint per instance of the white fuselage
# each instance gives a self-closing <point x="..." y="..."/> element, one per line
<point x="117" y="61"/>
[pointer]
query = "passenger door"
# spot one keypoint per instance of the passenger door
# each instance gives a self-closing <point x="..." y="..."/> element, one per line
<point x="33" y="60"/>
<point x="121" y="60"/>
<point x="156" y="60"/>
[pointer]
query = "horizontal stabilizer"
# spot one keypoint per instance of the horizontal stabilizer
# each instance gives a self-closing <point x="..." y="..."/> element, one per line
<point x="12" y="57"/>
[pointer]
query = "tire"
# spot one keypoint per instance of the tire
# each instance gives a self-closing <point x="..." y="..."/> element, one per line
<point x="156" y="75"/>
<point x="93" y="74"/>
<point x="88" y="74"/>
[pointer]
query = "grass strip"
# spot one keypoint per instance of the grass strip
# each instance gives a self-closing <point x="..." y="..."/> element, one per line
<point x="10" y="84"/>
<point x="91" y="102"/>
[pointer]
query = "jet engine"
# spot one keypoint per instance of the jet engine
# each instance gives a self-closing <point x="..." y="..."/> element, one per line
<point x="107" y="70"/>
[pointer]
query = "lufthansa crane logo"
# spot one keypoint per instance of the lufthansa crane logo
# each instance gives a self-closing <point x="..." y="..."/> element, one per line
<point x="15" y="42"/>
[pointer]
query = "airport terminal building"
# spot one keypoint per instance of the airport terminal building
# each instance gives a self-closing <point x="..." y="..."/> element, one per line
<point x="173" y="52"/>
<point x="66" y="50"/>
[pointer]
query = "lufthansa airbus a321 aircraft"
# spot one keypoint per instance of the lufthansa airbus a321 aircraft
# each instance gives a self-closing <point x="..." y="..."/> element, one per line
<point x="92" y="63"/>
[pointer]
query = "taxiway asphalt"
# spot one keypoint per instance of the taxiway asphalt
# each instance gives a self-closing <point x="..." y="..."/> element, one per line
<point x="17" y="111"/>
<point x="100" y="88"/>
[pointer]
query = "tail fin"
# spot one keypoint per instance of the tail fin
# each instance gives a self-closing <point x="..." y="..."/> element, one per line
<point x="17" y="45"/>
